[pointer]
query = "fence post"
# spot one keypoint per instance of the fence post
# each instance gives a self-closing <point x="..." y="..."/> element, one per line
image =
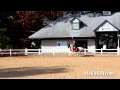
<point x="10" y="52"/>
<point x="118" y="51"/>
<point x="101" y="51"/>
<point x="39" y="51"/>
<point x="53" y="52"/>
<point x="26" y="51"/>
<point x="85" y="51"/>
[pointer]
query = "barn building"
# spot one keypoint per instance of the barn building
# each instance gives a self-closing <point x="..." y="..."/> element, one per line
<point x="91" y="32"/>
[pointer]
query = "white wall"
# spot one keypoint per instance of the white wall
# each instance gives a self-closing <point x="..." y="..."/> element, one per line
<point x="91" y="45"/>
<point x="52" y="44"/>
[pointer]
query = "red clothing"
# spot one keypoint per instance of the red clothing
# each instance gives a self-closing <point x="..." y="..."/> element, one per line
<point x="75" y="49"/>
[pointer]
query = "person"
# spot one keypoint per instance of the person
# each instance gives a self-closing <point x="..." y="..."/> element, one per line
<point x="58" y="44"/>
<point x="33" y="44"/>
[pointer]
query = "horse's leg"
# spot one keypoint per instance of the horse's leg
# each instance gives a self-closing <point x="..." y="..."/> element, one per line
<point x="80" y="52"/>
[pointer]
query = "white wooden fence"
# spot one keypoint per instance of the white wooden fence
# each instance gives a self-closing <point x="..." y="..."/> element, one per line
<point x="56" y="51"/>
<point x="102" y="51"/>
<point x="12" y="51"/>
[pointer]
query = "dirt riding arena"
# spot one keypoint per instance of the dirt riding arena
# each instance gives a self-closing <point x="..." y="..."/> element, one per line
<point x="59" y="67"/>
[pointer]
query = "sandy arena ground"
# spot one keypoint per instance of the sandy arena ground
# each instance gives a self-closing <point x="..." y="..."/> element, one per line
<point x="58" y="67"/>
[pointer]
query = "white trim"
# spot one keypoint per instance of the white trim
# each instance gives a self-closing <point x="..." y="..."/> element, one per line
<point x="76" y="21"/>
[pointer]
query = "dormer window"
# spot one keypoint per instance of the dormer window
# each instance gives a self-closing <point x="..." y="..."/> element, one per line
<point x="76" y="24"/>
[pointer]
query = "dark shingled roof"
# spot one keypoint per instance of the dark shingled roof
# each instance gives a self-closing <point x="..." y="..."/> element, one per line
<point x="62" y="27"/>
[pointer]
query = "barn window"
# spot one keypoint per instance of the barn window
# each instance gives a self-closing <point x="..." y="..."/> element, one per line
<point x="76" y="24"/>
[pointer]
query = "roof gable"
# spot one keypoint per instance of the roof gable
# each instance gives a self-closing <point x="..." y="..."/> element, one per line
<point x="106" y="24"/>
<point x="75" y="19"/>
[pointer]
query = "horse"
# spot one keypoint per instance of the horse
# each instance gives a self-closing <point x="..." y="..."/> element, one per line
<point x="76" y="49"/>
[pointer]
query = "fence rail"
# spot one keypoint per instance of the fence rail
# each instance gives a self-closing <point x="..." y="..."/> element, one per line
<point x="56" y="51"/>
